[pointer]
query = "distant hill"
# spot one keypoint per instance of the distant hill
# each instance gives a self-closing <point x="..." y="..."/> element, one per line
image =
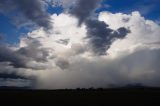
<point x="12" y="87"/>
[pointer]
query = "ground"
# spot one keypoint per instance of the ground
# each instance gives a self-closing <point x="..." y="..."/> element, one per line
<point x="83" y="97"/>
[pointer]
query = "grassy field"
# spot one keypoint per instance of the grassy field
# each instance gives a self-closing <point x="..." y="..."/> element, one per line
<point x="101" y="97"/>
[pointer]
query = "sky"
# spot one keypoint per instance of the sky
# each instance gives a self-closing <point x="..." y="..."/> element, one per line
<point x="58" y="44"/>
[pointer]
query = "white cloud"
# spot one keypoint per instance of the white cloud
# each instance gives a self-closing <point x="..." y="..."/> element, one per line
<point x="144" y="33"/>
<point x="72" y="64"/>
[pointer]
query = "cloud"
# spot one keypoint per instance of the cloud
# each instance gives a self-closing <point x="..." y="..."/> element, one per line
<point x="83" y="9"/>
<point x="64" y="3"/>
<point x="142" y="31"/>
<point x="14" y="83"/>
<point x="138" y="67"/>
<point x="27" y="10"/>
<point x="8" y="55"/>
<point x="10" y="76"/>
<point x="63" y="41"/>
<point x="54" y="64"/>
<point x="129" y="60"/>
<point x="24" y="57"/>
<point x="100" y="36"/>
<point x="1" y="37"/>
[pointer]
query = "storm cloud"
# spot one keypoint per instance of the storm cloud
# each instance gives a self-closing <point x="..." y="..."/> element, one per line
<point x="21" y="57"/>
<point x="32" y="10"/>
<point x="101" y="37"/>
<point x="83" y="9"/>
<point x="9" y="55"/>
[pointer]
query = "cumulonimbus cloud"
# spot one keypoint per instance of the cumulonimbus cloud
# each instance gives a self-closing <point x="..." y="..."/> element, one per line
<point x="55" y="64"/>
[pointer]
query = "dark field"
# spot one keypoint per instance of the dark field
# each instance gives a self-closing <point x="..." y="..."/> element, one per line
<point x="90" y="97"/>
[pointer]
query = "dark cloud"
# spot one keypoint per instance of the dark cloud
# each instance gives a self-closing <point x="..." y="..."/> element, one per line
<point x="63" y="41"/>
<point x="83" y="9"/>
<point x="126" y="19"/>
<point x="11" y="76"/>
<point x="101" y="36"/>
<point x="121" y="32"/>
<point x="20" y="58"/>
<point x="62" y="63"/>
<point x="34" y="51"/>
<point x="8" y="55"/>
<point x="99" y="33"/>
<point x="33" y="10"/>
